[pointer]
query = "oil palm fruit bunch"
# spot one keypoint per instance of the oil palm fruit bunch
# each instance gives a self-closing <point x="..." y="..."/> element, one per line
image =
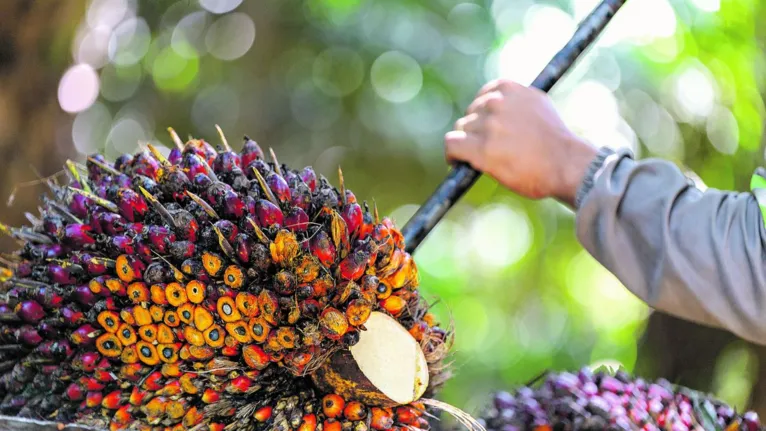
<point x="605" y="400"/>
<point x="213" y="290"/>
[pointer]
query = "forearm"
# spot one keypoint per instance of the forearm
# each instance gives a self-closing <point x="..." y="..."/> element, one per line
<point x="698" y="256"/>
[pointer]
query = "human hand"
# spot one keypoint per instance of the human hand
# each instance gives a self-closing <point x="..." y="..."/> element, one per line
<point x="514" y="134"/>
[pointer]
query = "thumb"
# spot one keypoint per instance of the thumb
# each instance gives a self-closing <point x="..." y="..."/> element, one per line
<point x="463" y="147"/>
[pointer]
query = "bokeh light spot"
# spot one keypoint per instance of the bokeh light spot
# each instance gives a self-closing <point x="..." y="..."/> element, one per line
<point x="470" y="29"/>
<point x="396" y="76"/>
<point x="188" y="36"/>
<point x="90" y="129"/>
<point x="120" y="83"/>
<point x="694" y="93"/>
<point x="220" y="6"/>
<point x="125" y="135"/>
<point x="231" y="36"/>
<point x="338" y="71"/>
<point x="78" y="88"/>
<point x="171" y="72"/>
<point x="129" y="42"/>
<point x="106" y="13"/>
<point x="93" y="46"/>
<point x="723" y="130"/>
<point x="500" y="236"/>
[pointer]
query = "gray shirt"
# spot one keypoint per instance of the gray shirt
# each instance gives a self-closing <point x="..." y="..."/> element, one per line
<point x="693" y="254"/>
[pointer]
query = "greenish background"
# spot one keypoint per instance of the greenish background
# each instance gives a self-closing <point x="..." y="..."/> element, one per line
<point x="373" y="86"/>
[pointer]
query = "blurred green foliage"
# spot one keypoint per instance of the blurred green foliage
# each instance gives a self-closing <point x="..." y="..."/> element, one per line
<point x="373" y="86"/>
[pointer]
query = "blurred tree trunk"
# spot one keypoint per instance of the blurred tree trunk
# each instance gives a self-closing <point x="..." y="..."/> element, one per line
<point x="32" y="34"/>
<point x="686" y="353"/>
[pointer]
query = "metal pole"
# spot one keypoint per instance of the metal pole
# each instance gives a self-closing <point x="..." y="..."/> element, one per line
<point x="463" y="176"/>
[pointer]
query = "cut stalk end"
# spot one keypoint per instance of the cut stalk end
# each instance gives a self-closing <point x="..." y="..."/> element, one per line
<point x="385" y="368"/>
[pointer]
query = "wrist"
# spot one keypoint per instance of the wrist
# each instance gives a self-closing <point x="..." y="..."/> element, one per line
<point x="578" y="157"/>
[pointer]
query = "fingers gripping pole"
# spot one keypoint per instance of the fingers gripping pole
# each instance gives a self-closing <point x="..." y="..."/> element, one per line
<point x="463" y="176"/>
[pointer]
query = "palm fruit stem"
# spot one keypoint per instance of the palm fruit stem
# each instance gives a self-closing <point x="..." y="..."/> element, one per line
<point x="463" y="176"/>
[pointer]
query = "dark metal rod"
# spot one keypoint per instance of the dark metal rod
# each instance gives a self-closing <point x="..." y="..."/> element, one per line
<point x="463" y="176"/>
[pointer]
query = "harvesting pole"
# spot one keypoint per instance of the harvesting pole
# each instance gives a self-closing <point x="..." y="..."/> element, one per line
<point x="463" y="176"/>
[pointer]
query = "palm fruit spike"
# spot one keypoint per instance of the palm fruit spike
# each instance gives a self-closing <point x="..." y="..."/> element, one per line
<point x="603" y="400"/>
<point x="206" y="291"/>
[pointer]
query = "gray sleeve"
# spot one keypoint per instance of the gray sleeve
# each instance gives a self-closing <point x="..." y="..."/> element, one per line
<point x="696" y="255"/>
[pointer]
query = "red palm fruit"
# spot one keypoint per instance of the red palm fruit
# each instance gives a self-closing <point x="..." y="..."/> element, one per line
<point x="300" y="196"/>
<point x="28" y="336"/>
<point x="233" y="207"/>
<point x="239" y="385"/>
<point x="182" y="249"/>
<point x="153" y="382"/>
<point x="255" y="357"/>
<point x="77" y="235"/>
<point x="74" y="392"/>
<point x="120" y="244"/>
<point x="333" y="323"/>
<point x="132" y="205"/>
<point x="129" y="268"/>
<point x="263" y="414"/>
<point x="94" y="265"/>
<point x="358" y="311"/>
<point x="247" y="303"/>
<point x="352" y="215"/>
<point x="123" y="416"/>
<point x="244" y="245"/>
<point x="86" y="361"/>
<point x="210" y="396"/>
<point x="175" y="156"/>
<point x="160" y="238"/>
<point x="228" y="229"/>
<point x="170" y="389"/>
<point x="322" y="248"/>
<point x="278" y="186"/>
<point x="227" y="161"/>
<point x="187" y="227"/>
<point x="331" y="425"/>
<point x="355" y="411"/>
<point x="30" y="311"/>
<point x="137" y="396"/>
<point x="251" y="151"/>
<point x="69" y="316"/>
<point x="155" y="408"/>
<point x="393" y="304"/>
<point x="145" y="164"/>
<point x="333" y="405"/>
<point x="296" y="220"/>
<point x="308" y="423"/>
<point x="60" y="275"/>
<point x="104" y="376"/>
<point x="192" y="164"/>
<point x="419" y="330"/>
<point x="112" y="400"/>
<point x="269" y="304"/>
<point x="93" y="399"/>
<point x="268" y="214"/>
<point x="108" y="223"/>
<point x="309" y="177"/>
<point x="381" y="419"/>
<point x="84" y="335"/>
<point x="81" y="294"/>
<point x="352" y="267"/>
<point x="78" y="205"/>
